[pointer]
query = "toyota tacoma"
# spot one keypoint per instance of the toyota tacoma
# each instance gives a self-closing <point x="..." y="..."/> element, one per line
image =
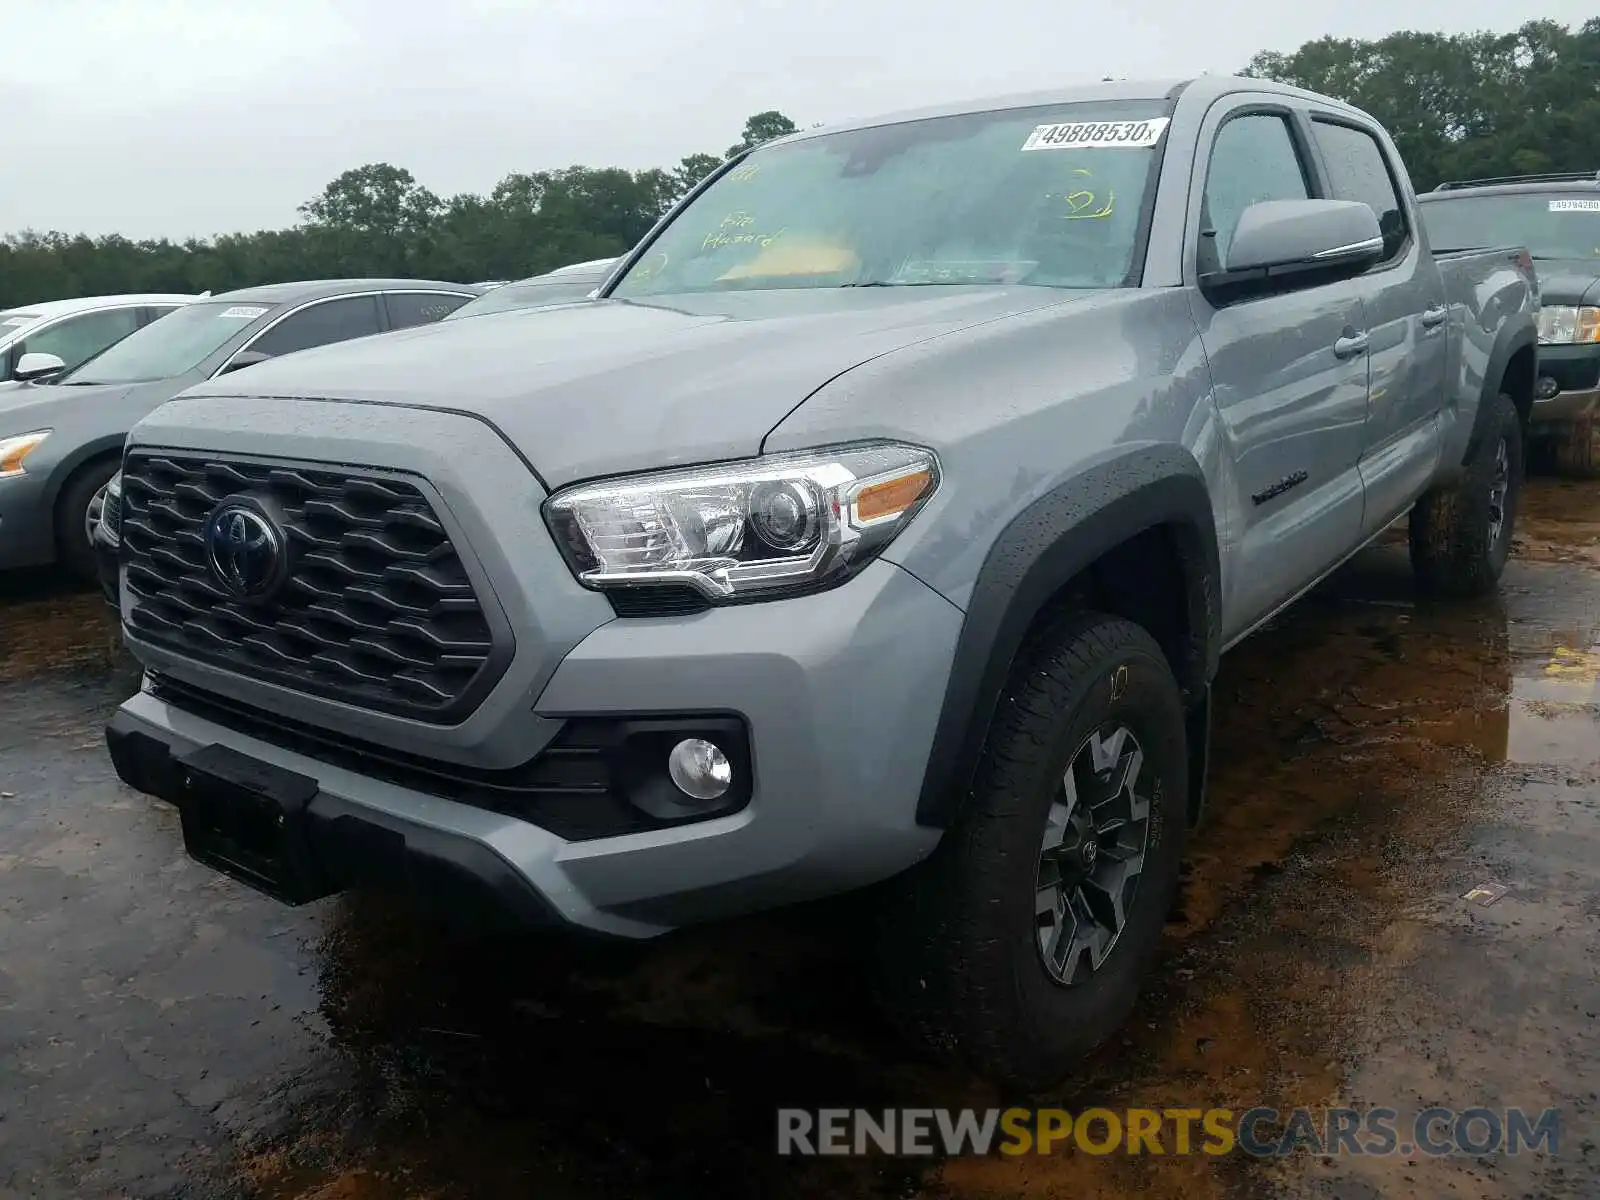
<point x="877" y="527"/>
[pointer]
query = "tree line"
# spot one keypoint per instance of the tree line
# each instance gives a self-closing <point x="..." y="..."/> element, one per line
<point x="1459" y="106"/>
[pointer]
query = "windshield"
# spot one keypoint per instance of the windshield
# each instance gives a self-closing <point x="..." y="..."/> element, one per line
<point x="1549" y="224"/>
<point x="1049" y="196"/>
<point x="529" y="293"/>
<point x="167" y="348"/>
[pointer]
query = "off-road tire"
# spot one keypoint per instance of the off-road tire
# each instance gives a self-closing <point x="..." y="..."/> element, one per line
<point x="74" y="551"/>
<point x="956" y="961"/>
<point x="1577" y="455"/>
<point x="1455" y="550"/>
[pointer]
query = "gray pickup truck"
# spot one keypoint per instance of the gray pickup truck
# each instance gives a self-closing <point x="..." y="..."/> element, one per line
<point x="879" y="527"/>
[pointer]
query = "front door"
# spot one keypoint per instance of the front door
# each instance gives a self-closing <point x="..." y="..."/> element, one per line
<point x="1290" y="378"/>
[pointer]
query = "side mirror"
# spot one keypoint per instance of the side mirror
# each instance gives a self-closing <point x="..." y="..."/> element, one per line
<point x="1285" y="242"/>
<point x="245" y="358"/>
<point x="33" y="368"/>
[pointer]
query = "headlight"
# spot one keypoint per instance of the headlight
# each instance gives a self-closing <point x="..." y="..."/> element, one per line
<point x="764" y="526"/>
<point x="1562" y="325"/>
<point x="14" y="449"/>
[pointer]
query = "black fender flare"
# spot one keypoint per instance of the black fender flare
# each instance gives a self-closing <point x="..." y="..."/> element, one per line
<point x="1042" y="549"/>
<point x="1513" y="336"/>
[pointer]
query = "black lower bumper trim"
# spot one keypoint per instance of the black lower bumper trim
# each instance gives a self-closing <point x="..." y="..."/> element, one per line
<point x="276" y="832"/>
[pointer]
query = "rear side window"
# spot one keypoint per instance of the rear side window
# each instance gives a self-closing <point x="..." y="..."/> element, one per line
<point x="1357" y="170"/>
<point x="1253" y="159"/>
<point x="330" y="321"/>
<point x="407" y="309"/>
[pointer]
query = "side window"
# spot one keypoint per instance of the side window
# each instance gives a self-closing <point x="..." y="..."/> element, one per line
<point x="1358" y="170"/>
<point x="331" y="321"/>
<point x="1252" y="159"/>
<point x="78" y="339"/>
<point x="156" y="311"/>
<point x="407" y="309"/>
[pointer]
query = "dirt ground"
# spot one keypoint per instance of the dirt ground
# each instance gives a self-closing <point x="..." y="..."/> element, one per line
<point x="166" y="1033"/>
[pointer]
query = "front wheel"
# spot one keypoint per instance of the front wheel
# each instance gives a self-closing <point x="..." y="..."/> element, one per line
<point x="1022" y="942"/>
<point x="76" y="511"/>
<point x="1461" y="535"/>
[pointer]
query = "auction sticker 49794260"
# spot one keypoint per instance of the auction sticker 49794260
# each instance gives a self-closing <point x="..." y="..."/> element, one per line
<point x="1097" y="135"/>
<point x="1575" y="204"/>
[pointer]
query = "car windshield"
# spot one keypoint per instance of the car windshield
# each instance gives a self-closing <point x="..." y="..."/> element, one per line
<point x="1048" y="195"/>
<point x="529" y="293"/>
<point x="167" y="348"/>
<point x="1549" y="224"/>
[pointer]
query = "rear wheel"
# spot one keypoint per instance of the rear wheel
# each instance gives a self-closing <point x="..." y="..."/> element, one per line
<point x="1461" y="534"/>
<point x="81" y="497"/>
<point x="1021" y="943"/>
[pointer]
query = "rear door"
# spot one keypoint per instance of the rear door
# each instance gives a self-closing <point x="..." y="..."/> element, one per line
<point x="1406" y="319"/>
<point x="1288" y="370"/>
<point x="409" y="309"/>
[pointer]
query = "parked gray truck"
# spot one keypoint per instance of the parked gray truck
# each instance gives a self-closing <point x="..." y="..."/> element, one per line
<point x="878" y="528"/>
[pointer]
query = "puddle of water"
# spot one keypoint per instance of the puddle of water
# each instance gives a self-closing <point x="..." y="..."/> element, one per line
<point x="1559" y="522"/>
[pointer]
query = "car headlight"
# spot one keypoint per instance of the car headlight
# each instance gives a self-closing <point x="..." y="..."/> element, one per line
<point x="1563" y="325"/>
<point x="761" y="527"/>
<point x="14" y="449"/>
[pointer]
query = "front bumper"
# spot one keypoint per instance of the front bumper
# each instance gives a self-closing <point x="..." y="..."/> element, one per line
<point x="1568" y="387"/>
<point x="839" y="692"/>
<point x="26" y="535"/>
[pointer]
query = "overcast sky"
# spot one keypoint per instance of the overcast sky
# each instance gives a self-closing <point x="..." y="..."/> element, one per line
<point x="180" y="117"/>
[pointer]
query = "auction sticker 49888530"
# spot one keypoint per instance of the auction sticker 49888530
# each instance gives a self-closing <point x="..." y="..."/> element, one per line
<point x="1097" y="135"/>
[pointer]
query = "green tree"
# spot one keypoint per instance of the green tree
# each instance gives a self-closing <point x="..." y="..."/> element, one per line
<point x="762" y="127"/>
<point x="1465" y="105"/>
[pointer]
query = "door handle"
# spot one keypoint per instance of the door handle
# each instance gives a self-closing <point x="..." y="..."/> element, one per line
<point x="1433" y="317"/>
<point x="1350" y="345"/>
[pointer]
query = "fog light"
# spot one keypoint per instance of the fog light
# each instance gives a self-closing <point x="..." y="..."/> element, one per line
<point x="1547" y="387"/>
<point x="699" y="769"/>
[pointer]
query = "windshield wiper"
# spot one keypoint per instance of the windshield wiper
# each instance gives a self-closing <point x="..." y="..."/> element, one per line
<point x="912" y="283"/>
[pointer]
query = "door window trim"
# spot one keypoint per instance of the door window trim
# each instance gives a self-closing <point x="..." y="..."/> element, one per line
<point x="297" y="309"/>
<point x="13" y="353"/>
<point x="1407" y="247"/>
<point x="1299" y="139"/>
<point x="388" y="319"/>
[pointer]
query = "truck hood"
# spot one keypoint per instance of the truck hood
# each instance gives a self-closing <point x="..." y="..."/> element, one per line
<point x="603" y="387"/>
<point x="1568" y="281"/>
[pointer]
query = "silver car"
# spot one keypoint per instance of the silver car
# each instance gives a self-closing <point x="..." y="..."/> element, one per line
<point x="61" y="442"/>
<point x="561" y="286"/>
<point x="61" y="334"/>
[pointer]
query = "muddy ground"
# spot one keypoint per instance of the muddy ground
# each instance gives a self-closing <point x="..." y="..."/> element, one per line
<point x="166" y="1033"/>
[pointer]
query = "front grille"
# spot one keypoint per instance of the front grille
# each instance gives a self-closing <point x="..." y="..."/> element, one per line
<point x="375" y="608"/>
<point x="111" y="514"/>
